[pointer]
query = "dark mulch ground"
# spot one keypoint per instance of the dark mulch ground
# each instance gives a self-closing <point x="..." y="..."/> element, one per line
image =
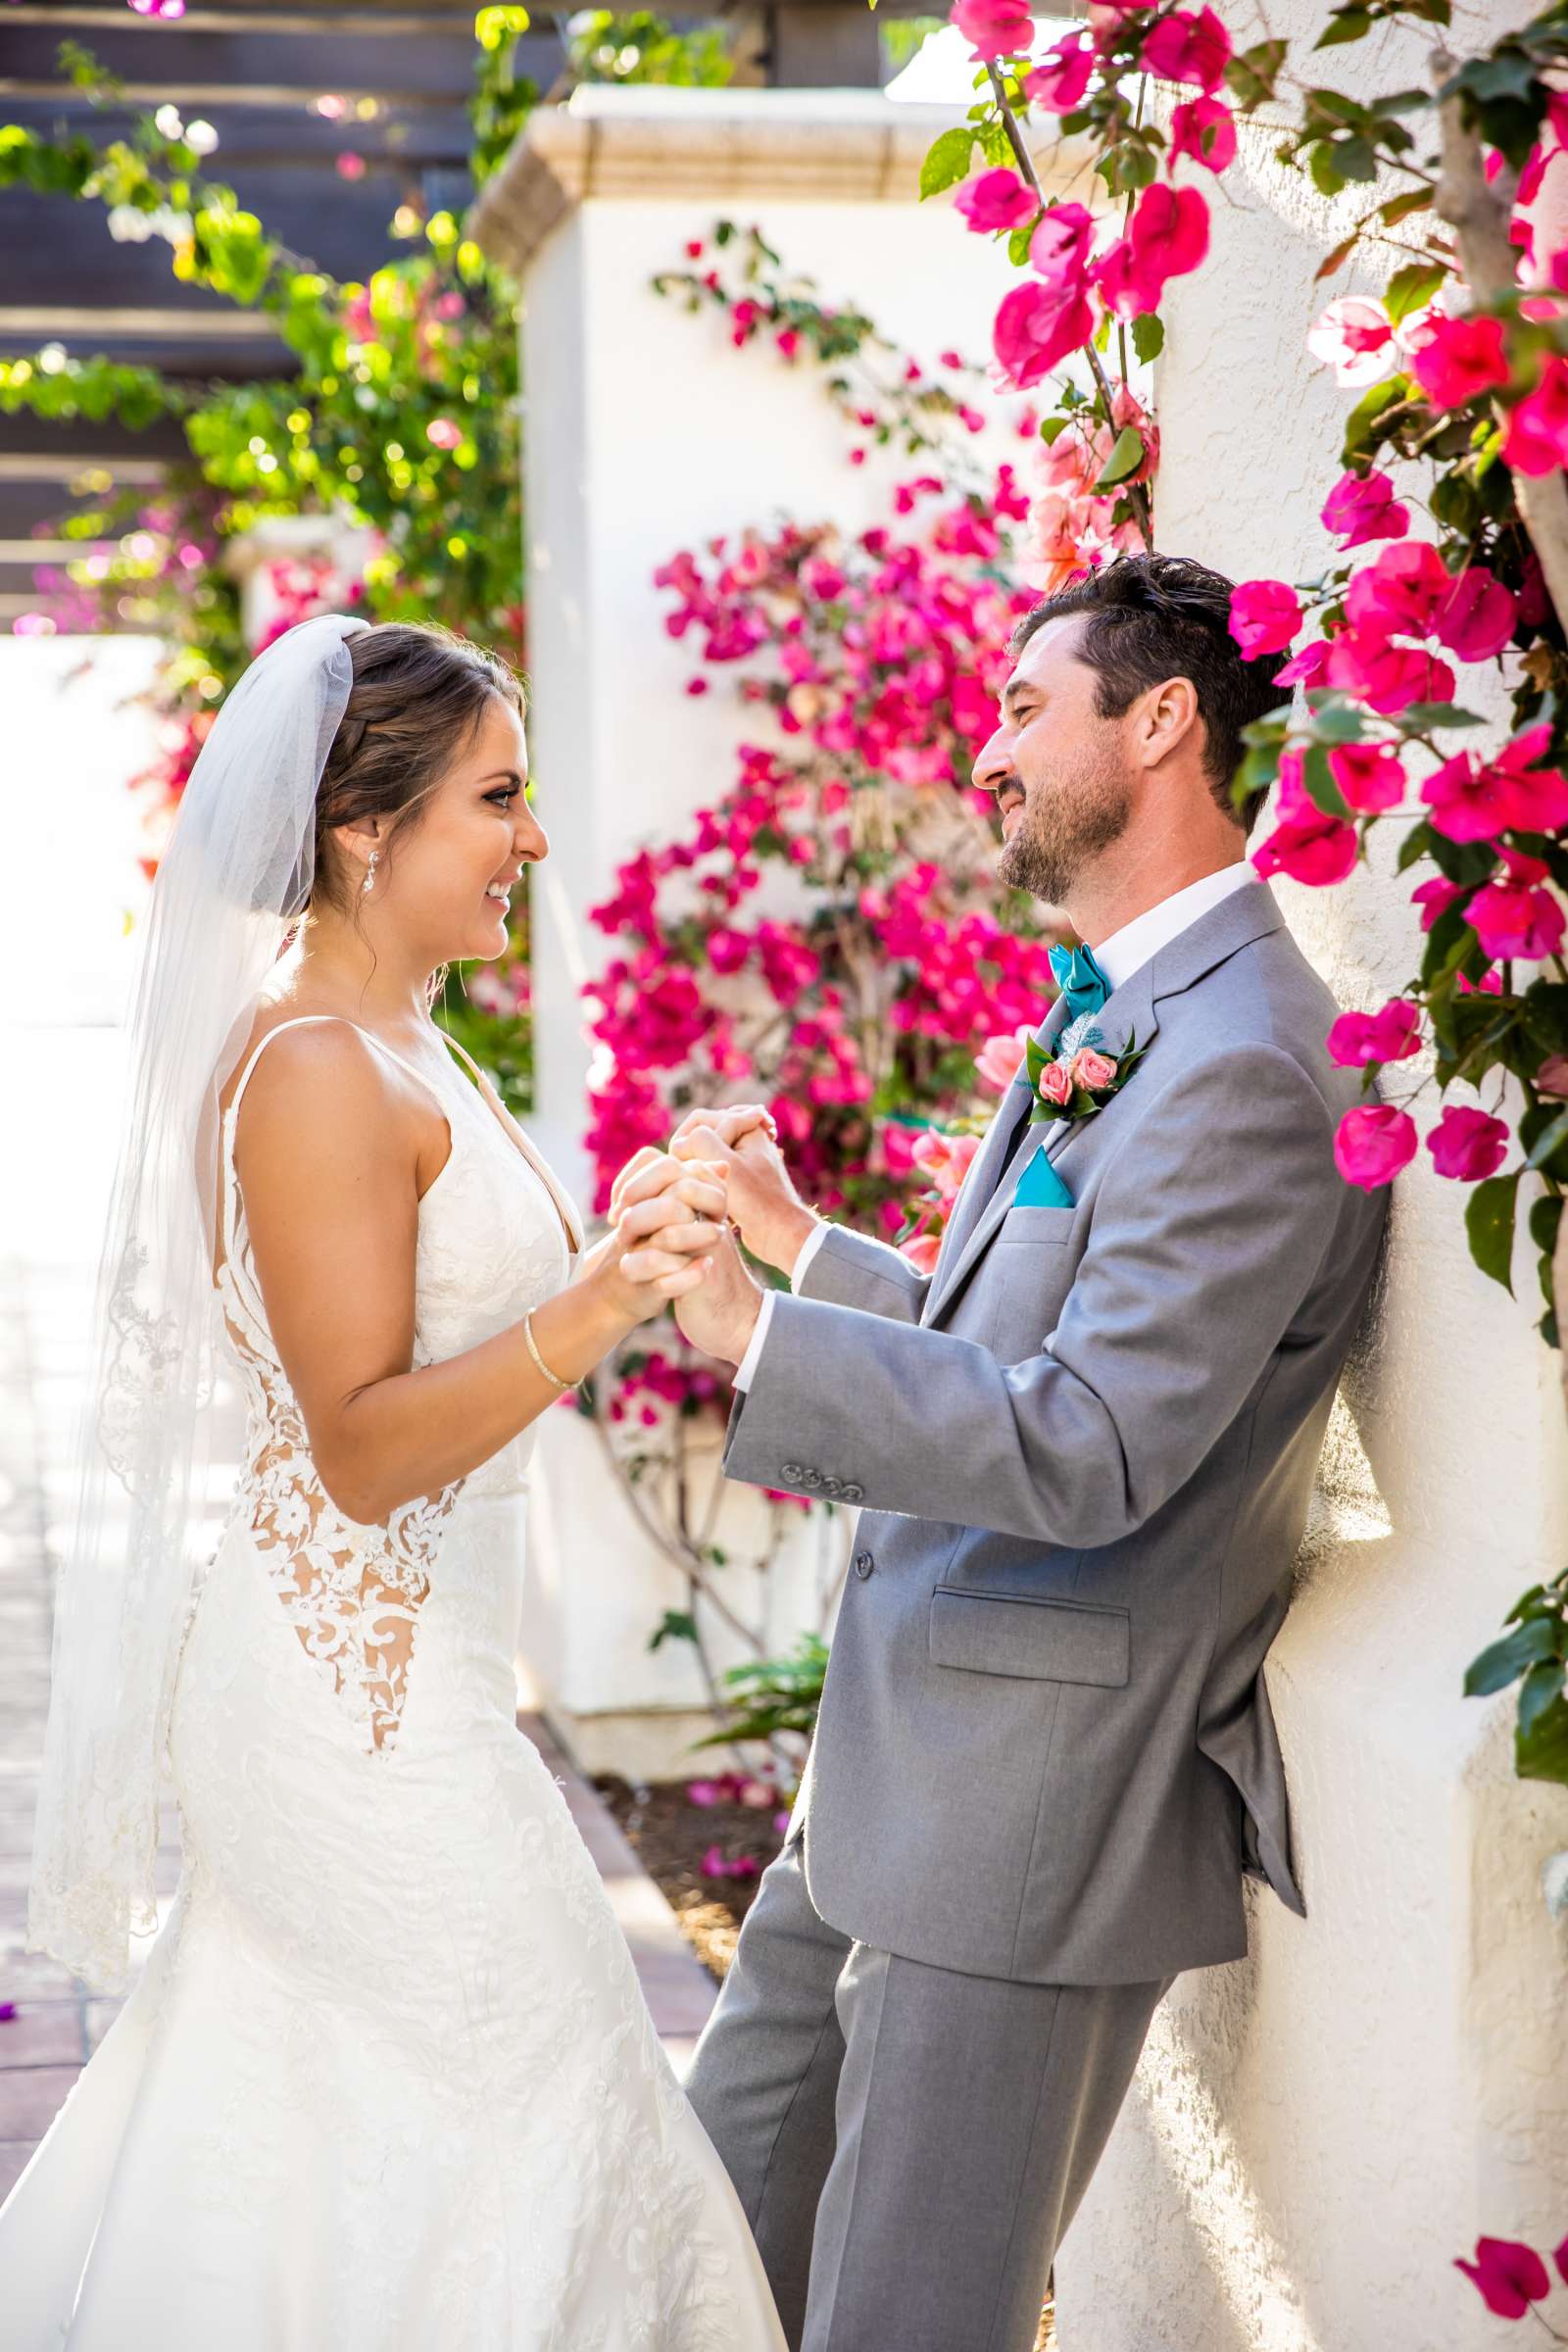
<point x="671" y="1836"/>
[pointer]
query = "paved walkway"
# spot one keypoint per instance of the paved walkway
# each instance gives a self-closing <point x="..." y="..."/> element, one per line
<point x="45" y="1303"/>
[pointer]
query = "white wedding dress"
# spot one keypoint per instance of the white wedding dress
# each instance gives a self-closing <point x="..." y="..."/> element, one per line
<point x="387" y="2083"/>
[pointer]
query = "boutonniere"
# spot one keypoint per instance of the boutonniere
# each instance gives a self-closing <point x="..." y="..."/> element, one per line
<point x="1079" y="1084"/>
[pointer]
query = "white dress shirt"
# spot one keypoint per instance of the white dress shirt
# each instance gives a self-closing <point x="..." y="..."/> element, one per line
<point x="1124" y="952"/>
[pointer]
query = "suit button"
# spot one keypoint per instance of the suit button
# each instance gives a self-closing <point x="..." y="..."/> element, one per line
<point x="852" y="1494"/>
<point x="863" y="1565"/>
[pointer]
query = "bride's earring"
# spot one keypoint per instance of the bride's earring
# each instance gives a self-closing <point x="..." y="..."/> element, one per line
<point x="370" y="871"/>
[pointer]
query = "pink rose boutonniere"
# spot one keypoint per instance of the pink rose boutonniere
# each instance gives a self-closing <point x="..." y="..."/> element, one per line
<point x="1080" y="1085"/>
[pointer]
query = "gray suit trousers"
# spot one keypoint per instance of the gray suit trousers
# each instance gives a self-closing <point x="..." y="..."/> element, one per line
<point x="908" y="2143"/>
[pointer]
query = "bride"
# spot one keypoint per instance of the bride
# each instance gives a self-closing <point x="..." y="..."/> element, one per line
<point x="387" y="2083"/>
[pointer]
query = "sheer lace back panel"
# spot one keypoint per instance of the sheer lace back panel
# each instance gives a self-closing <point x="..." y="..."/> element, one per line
<point x="494" y="1236"/>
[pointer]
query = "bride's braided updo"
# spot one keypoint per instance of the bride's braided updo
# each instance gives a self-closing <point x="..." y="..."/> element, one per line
<point x="418" y="693"/>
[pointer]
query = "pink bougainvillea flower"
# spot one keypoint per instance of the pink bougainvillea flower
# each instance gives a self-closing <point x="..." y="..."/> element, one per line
<point x="1400" y="589"/>
<point x="999" y="1060"/>
<point x="1353" y="337"/>
<point x="1059" y="247"/>
<point x="1373" y="1143"/>
<point x="715" y="1866"/>
<point x="1167" y="237"/>
<point x="1552" y="1079"/>
<point x="1435" y="898"/>
<point x="1515" y="916"/>
<point x="996" y="199"/>
<point x="1264" y="615"/>
<point x="995" y="27"/>
<point x="728" y="951"/>
<point x="1508" y="2276"/>
<point x="1035" y="327"/>
<point x="1476" y="617"/>
<point x="1535" y="441"/>
<point x="1391" y="1035"/>
<point x="1309" y="845"/>
<point x="443" y="432"/>
<point x="1385" y="676"/>
<point x="1363" y="506"/>
<point x="1467" y="1145"/>
<point x="1455" y="359"/>
<point x="1536" y="797"/>
<point x="922" y="1252"/>
<point x="1061" y="77"/>
<point x="1369" y="775"/>
<point x="1467" y="799"/>
<point x="1183" y="46"/>
<point x="1203" y="128"/>
<point x="945" y="1160"/>
<point x="1305" y="668"/>
<point x="1474" y="800"/>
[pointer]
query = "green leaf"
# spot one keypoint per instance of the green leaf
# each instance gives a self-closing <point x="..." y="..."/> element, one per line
<point x="1321" y="789"/>
<point x="1355" y="159"/>
<point x="1489" y="1220"/>
<point x="676" y="1625"/>
<point x="1545" y="1216"/>
<point x="1018" y="244"/>
<point x="947" y="161"/>
<point x="1339" y="256"/>
<point x="1542" y="1685"/>
<point x="1252" y="74"/>
<point x="1548" y="1142"/>
<point x="1345" y="25"/>
<point x="1420" y="719"/>
<point x="1320" y="163"/>
<point x="1125" y="459"/>
<point x="1053" y="429"/>
<point x="1504" y="1660"/>
<point x="1411" y="288"/>
<point x="1541" y="1753"/>
<point x="1400" y="208"/>
<point x="1149" y="336"/>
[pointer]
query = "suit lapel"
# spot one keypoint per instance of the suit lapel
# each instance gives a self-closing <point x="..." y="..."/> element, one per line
<point x="992" y="1158"/>
<point x="1128" y="1012"/>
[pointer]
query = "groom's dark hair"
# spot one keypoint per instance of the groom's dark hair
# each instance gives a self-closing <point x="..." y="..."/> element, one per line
<point x="1153" y="617"/>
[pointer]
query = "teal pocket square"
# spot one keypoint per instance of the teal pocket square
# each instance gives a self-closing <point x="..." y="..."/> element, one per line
<point x="1039" y="1187"/>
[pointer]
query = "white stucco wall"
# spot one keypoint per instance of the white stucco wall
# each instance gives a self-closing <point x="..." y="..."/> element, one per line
<point x="1315" y="2133"/>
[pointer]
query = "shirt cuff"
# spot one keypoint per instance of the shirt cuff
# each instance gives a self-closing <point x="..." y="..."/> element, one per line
<point x="807" y="1250"/>
<point x="746" y="1370"/>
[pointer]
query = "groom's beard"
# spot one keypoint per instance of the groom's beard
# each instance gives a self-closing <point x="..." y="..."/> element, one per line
<point x="1061" y="831"/>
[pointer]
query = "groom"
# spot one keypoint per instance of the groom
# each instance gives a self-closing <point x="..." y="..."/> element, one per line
<point x="1084" y="1447"/>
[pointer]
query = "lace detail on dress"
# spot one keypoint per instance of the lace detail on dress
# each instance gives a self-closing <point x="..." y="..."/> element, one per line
<point x="352" y="1593"/>
<point x="350" y="1590"/>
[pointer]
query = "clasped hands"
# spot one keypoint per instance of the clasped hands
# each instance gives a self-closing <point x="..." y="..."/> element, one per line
<point x="675" y="1215"/>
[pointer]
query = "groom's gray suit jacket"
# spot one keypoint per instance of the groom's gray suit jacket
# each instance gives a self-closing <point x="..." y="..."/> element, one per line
<point x="1086" y="1446"/>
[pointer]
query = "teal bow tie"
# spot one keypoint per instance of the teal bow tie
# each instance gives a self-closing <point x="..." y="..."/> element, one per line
<point x="1082" y="983"/>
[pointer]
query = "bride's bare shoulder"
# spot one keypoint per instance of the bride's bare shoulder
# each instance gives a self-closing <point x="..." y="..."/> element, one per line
<point x="320" y="1052"/>
<point x="321" y="1103"/>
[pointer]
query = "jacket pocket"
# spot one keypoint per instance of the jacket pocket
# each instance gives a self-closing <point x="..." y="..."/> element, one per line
<point x="1041" y="1221"/>
<point x="1046" y="1641"/>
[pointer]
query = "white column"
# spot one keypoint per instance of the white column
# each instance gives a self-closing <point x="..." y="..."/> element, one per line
<point x="1316" y="2133"/>
<point x="646" y="433"/>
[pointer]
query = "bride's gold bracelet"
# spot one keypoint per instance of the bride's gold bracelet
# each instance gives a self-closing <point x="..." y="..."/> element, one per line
<point x="565" y="1385"/>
